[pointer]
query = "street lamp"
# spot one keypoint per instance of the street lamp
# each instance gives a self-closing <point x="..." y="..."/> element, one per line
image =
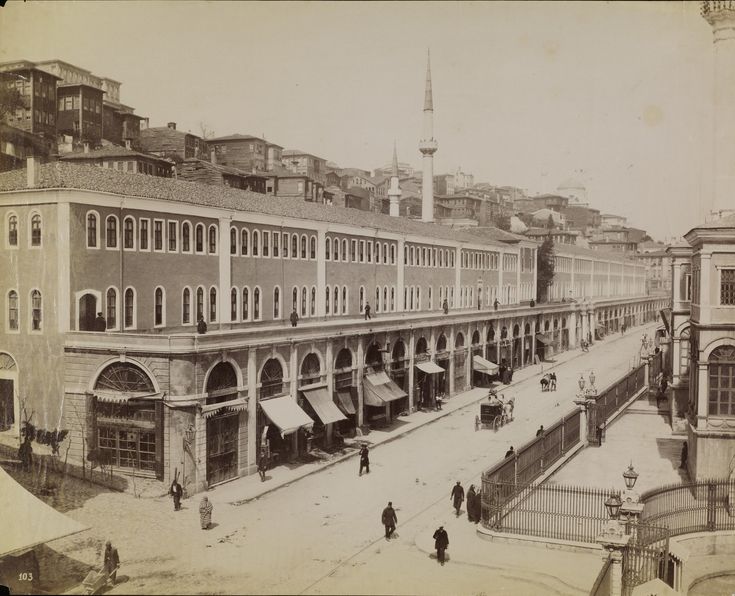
<point x="630" y="476"/>
<point x="581" y="383"/>
<point x="613" y="504"/>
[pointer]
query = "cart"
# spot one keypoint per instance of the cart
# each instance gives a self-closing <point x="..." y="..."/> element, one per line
<point x="492" y="414"/>
<point x="95" y="581"/>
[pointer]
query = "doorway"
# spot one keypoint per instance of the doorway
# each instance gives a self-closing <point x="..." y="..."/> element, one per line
<point x="87" y="312"/>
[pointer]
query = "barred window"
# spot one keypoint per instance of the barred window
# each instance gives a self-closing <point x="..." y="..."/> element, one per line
<point x="721" y="367"/>
<point x="727" y="287"/>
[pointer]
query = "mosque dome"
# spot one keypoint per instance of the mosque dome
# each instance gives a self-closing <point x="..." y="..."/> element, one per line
<point x="574" y="189"/>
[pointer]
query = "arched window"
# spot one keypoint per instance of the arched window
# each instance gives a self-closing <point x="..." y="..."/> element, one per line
<point x="129" y="308"/>
<point x="336" y="249"/>
<point x="421" y="346"/>
<point x="212" y="305"/>
<point x="233" y="304"/>
<point x="244" y="242"/>
<point x="336" y="300"/>
<point x="13" y="230"/>
<point x="378" y="252"/>
<point x="92" y="230"/>
<point x="418" y="297"/>
<point x="271" y="379"/>
<point x="303" y="247"/>
<point x="186" y="237"/>
<point x="13" y="314"/>
<point x="344" y="250"/>
<point x="362" y="299"/>
<point x="200" y="303"/>
<point x="303" y="302"/>
<point x="111" y="232"/>
<point x="312" y="248"/>
<point x="328" y="251"/>
<point x="186" y="307"/>
<point x="295" y="298"/>
<point x="256" y="243"/>
<point x="129" y="233"/>
<point x="684" y="338"/>
<point x="344" y="300"/>
<point x="111" y="308"/>
<point x="256" y="304"/>
<point x="295" y="246"/>
<point x="36" y="229"/>
<point x="310" y="369"/>
<point x="158" y="319"/>
<point x="36" y="310"/>
<point x="199" y="238"/>
<point x="326" y="303"/>
<point x="385" y="253"/>
<point x="385" y="299"/>
<point x="212" y="240"/>
<point x="721" y="369"/>
<point x="312" y="302"/>
<point x="276" y="302"/>
<point x="377" y="299"/>
<point x="233" y="241"/>
<point x="245" y="306"/>
<point x="392" y="299"/>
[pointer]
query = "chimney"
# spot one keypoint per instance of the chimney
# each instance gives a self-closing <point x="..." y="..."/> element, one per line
<point x="86" y="147"/>
<point x="213" y="156"/>
<point x="128" y="144"/>
<point x="33" y="167"/>
<point x="172" y="125"/>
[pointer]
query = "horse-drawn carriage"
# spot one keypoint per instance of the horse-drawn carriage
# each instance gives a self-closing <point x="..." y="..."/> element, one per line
<point x="495" y="412"/>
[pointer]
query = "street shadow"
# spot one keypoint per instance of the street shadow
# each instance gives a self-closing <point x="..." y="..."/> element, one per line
<point x="59" y="572"/>
<point x="670" y="450"/>
<point x="434" y="557"/>
<point x="212" y="526"/>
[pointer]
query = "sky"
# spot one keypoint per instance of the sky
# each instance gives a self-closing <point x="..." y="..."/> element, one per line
<point x="616" y="95"/>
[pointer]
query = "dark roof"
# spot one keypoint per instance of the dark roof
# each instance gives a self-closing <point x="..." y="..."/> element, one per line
<point x="228" y="170"/>
<point x="238" y="137"/>
<point x="113" y="151"/>
<point x="572" y="249"/>
<point x="87" y="177"/>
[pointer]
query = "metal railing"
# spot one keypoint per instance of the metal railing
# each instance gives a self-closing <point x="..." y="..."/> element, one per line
<point x="610" y="400"/>
<point x="702" y="506"/>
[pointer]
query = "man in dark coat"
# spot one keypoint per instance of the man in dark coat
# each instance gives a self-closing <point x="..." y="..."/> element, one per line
<point x="364" y="459"/>
<point x="99" y="323"/>
<point x="496" y="303"/>
<point x="201" y="326"/>
<point x="389" y="520"/>
<point x="684" y="455"/>
<point x="111" y="561"/>
<point x="511" y="452"/>
<point x="445" y="306"/>
<point x="263" y="465"/>
<point x="294" y="317"/>
<point x="457" y="496"/>
<point x="176" y="492"/>
<point x="367" y="311"/>
<point x="25" y="453"/>
<point x="441" y="543"/>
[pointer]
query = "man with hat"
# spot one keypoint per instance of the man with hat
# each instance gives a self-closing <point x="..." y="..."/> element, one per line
<point x="441" y="543"/>
<point x="111" y="562"/>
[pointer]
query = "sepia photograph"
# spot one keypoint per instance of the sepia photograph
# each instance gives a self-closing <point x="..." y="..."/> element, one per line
<point x="367" y="298"/>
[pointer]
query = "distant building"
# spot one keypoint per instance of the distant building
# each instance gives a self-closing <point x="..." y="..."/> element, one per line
<point x="567" y="237"/>
<point x="405" y="170"/>
<point x="166" y="141"/>
<point x="307" y="164"/>
<point x="16" y="145"/>
<point x="80" y="113"/>
<point x="658" y="270"/>
<point x="462" y="180"/>
<point x="608" y="220"/>
<point x="244" y="152"/>
<point x="574" y="190"/>
<point x="198" y="170"/>
<point x="444" y="184"/>
<point x="122" y="159"/>
<point x="37" y="89"/>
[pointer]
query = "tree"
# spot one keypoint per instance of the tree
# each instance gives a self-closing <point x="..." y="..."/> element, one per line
<point x="550" y="225"/>
<point x="10" y="100"/>
<point x="544" y="269"/>
<point x="503" y="222"/>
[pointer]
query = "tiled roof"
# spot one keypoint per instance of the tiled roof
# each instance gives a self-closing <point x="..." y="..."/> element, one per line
<point x="236" y="137"/>
<point x="572" y="249"/>
<point x="87" y="177"/>
<point x="112" y="151"/>
<point x="724" y="222"/>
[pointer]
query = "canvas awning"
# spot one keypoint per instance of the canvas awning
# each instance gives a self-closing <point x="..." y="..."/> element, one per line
<point x="117" y="397"/>
<point x="380" y="389"/>
<point x="324" y="407"/>
<point x="28" y="521"/>
<point x="429" y="367"/>
<point x="542" y="338"/>
<point x="234" y="405"/>
<point x="345" y="403"/>
<point x="285" y="413"/>
<point x="601" y="327"/>
<point x="484" y="366"/>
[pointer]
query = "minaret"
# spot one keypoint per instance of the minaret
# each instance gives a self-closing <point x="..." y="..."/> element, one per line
<point x="428" y="146"/>
<point x="720" y="14"/>
<point x="394" y="192"/>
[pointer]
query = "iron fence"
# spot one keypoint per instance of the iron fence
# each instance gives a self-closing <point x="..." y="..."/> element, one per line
<point x="610" y="400"/>
<point x="699" y="506"/>
<point x="646" y="556"/>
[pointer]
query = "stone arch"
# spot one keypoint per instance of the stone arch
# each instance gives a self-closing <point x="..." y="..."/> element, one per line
<point x="459" y="340"/>
<point x="475" y="337"/>
<point x="421" y="345"/>
<point x="311" y="368"/>
<point x="713" y="345"/>
<point x="399" y="350"/>
<point x="272" y="376"/>
<point x="441" y="343"/>
<point x="235" y="368"/>
<point x="223" y="375"/>
<point x="516" y="330"/>
<point x="344" y="359"/>
<point x="373" y="355"/>
<point x="131" y="361"/>
<point x="318" y="355"/>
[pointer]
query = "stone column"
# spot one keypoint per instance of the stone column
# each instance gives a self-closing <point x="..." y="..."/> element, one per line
<point x="468" y="360"/>
<point x="450" y="372"/>
<point x="293" y="390"/>
<point x="616" y="573"/>
<point x="359" y="381"/>
<point x="411" y="371"/>
<point x="321" y="274"/>
<point x="253" y="438"/>
<point x="400" y="275"/>
<point x="702" y="393"/>
<point x="225" y="274"/>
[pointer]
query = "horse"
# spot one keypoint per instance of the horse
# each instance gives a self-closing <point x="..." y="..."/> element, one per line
<point x="508" y="408"/>
<point x="545" y="383"/>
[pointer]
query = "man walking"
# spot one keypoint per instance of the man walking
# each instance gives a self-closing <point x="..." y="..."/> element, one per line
<point x="540" y="432"/>
<point x="457" y="496"/>
<point x="205" y="513"/>
<point x="111" y="562"/>
<point x="445" y="306"/>
<point x="471" y="496"/>
<point x="441" y="543"/>
<point x="176" y="492"/>
<point x="389" y="520"/>
<point x="496" y="303"/>
<point x="262" y="464"/>
<point x="364" y="459"/>
<point x="552" y="381"/>
<point x="367" y="311"/>
<point x="294" y="317"/>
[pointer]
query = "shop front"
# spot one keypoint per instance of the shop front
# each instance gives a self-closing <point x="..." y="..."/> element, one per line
<point x="428" y="378"/>
<point x="345" y="392"/>
<point x="383" y="399"/>
<point x="517" y="350"/>
<point x="325" y="413"/>
<point x="527" y="345"/>
<point x="283" y="419"/>
<point x="460" y="357"/>
<point x="483" y="371"/>
<point x="543" y="340"/>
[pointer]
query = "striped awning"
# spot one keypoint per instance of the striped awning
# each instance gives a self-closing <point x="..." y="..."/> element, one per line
<point x="324" y="407"/>
<point x="429" y="367"/>
<point x="285" y="413"/>
<point x="484" y="366"/>
<point x="543" y="338"/>
<point x="233" y="405"/>
<point x="380" y="389"/>
<point x="345" y="403"/>
<point x="117" y="397"/>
